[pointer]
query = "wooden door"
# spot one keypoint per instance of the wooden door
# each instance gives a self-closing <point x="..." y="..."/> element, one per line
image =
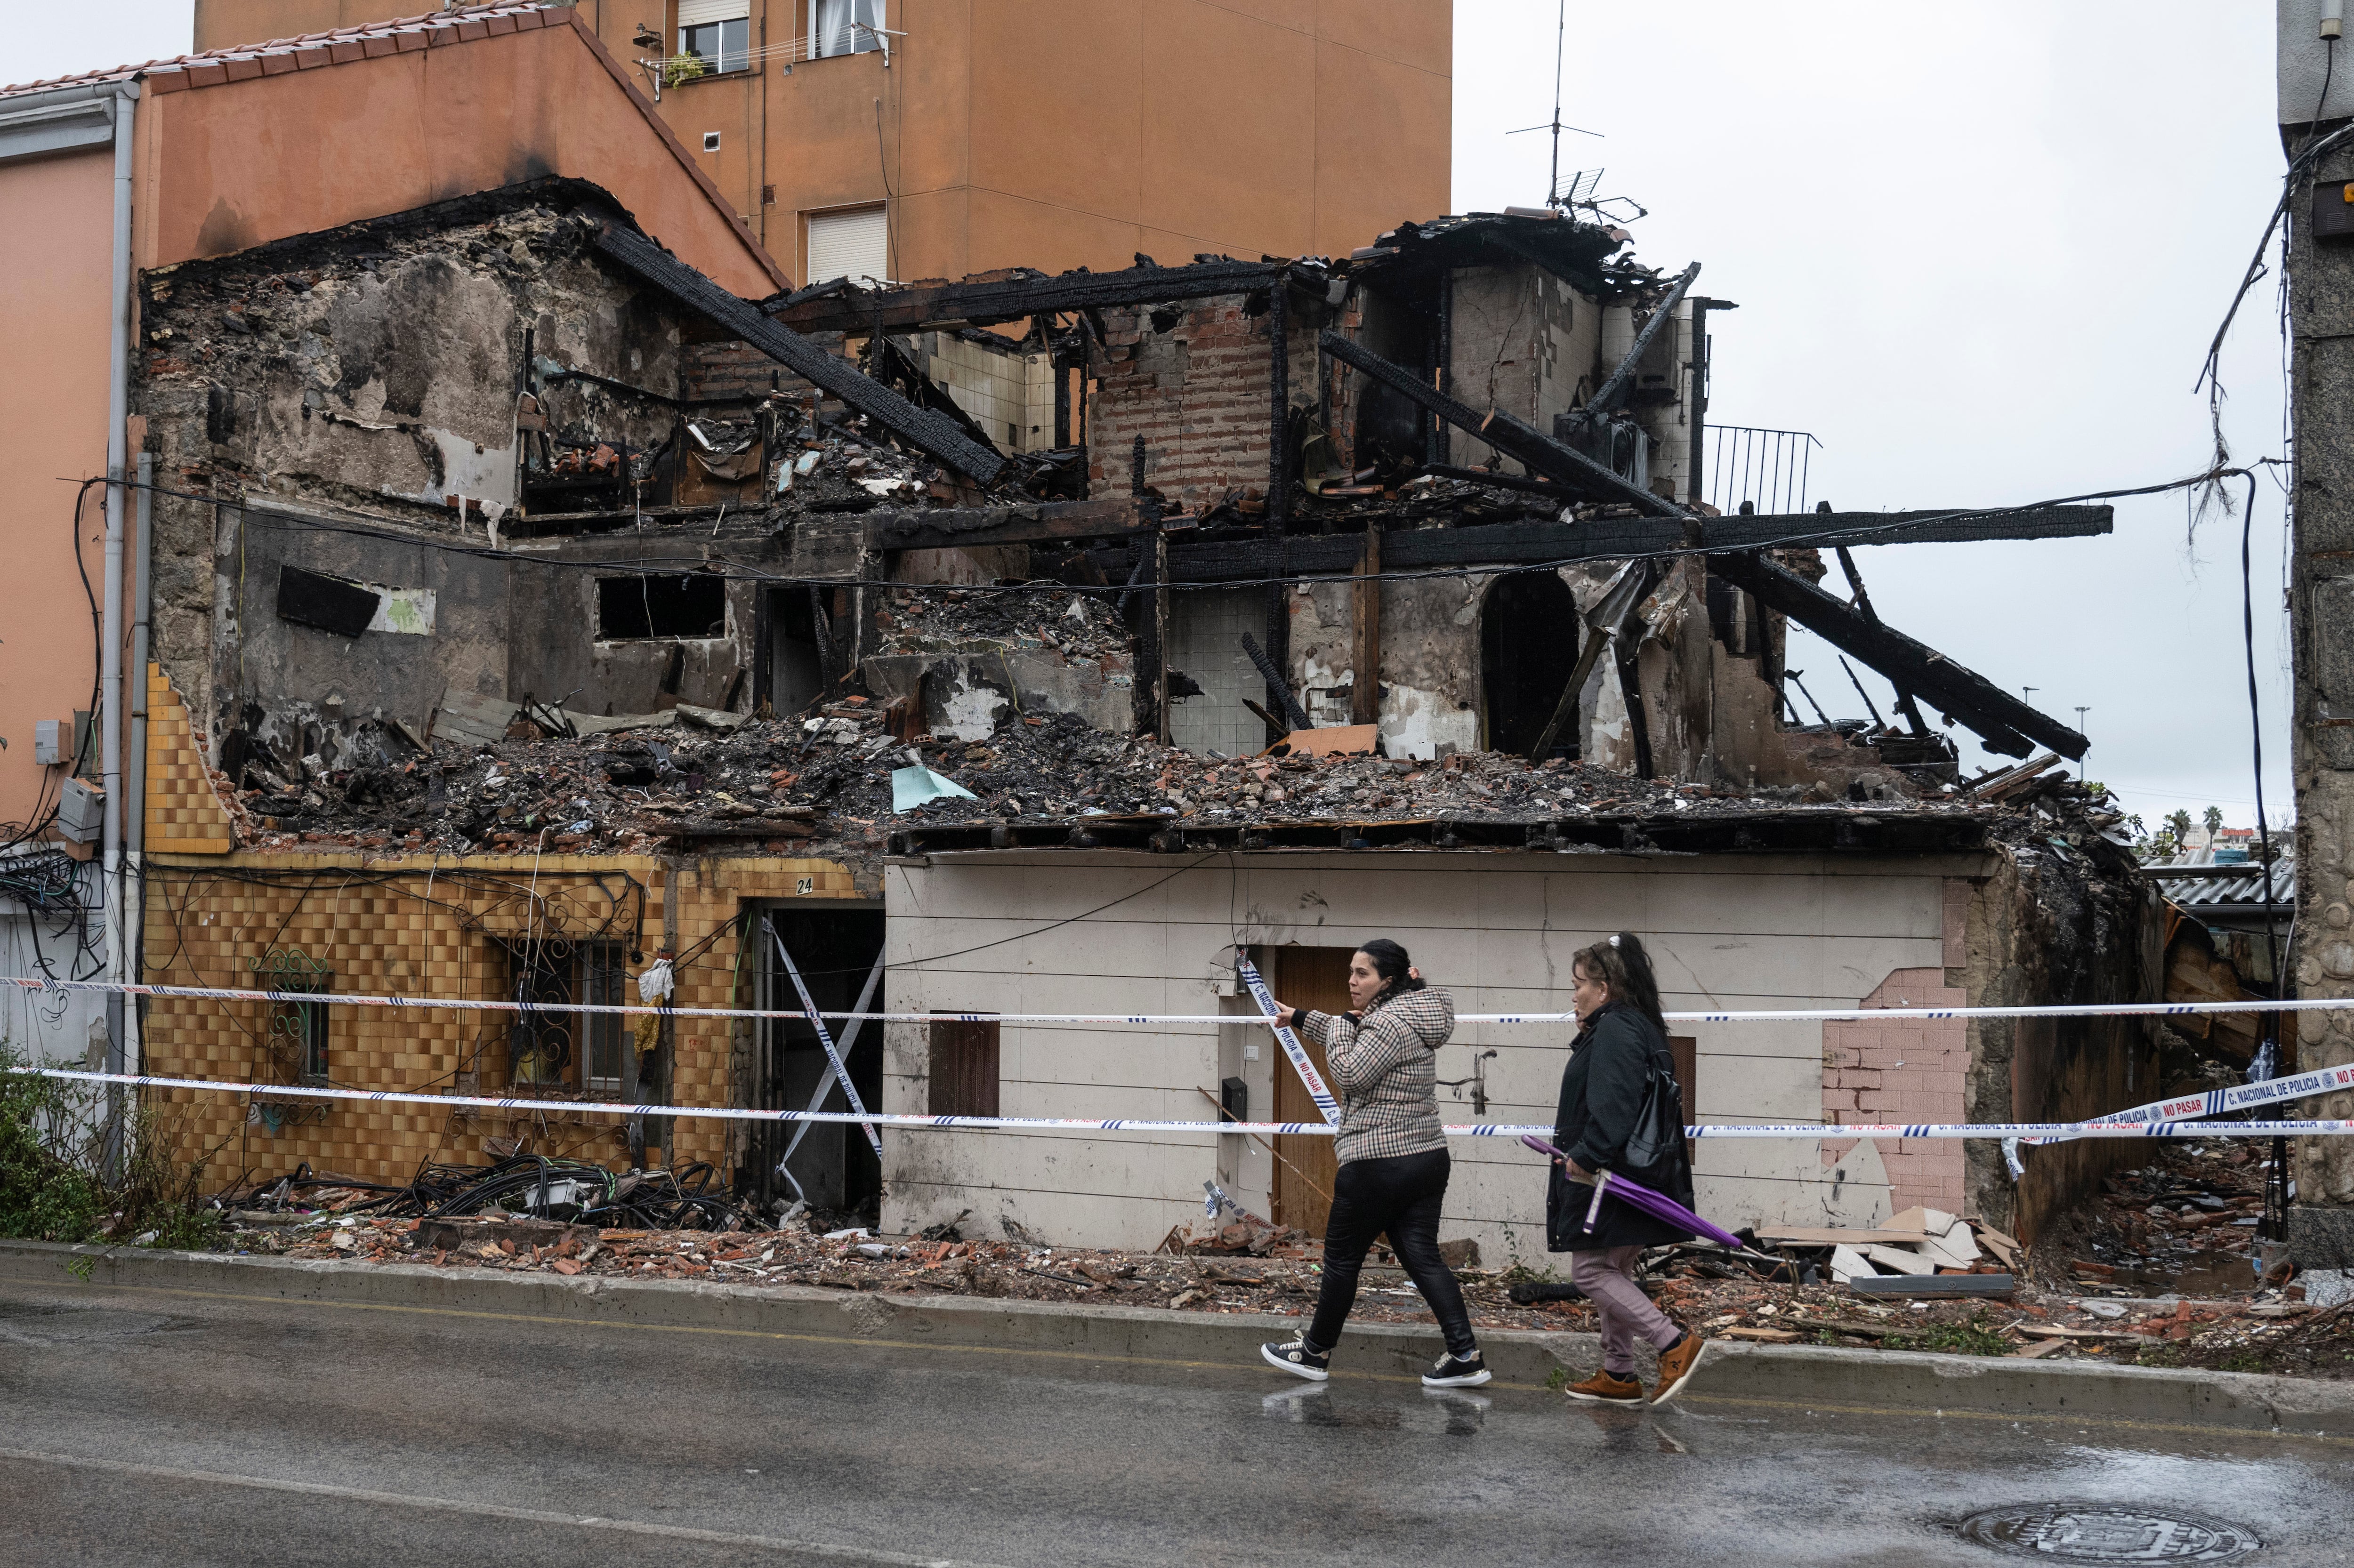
<point x="1304" y="977"/>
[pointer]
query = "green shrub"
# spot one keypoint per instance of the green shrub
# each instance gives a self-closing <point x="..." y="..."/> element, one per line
<point x="55" y="1182"/>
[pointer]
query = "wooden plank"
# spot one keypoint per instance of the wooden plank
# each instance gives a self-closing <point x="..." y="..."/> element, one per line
<point x="1365" y="632"/>
<point x="1810" y="1235"/>
<point x="1928" y="1286"/>
<point x="2003" y="722"/>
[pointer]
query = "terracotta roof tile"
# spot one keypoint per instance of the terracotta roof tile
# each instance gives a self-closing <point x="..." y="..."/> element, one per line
<point x="339" y="45"/>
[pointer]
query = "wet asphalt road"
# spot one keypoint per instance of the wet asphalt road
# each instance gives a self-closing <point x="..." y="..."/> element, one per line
<point x="151" y="1429"/>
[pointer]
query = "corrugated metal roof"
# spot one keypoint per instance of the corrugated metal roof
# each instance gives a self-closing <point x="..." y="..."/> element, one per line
<point x="312" y="49"/>
<point x="2217" y="887"/>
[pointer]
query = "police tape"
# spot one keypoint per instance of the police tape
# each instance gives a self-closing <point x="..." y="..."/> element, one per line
<point x="1756" y="1015"/>
<point x="1843" y="1132"/>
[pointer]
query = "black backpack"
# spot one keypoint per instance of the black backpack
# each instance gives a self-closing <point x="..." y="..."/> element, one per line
<point x="1658" y="1134"/>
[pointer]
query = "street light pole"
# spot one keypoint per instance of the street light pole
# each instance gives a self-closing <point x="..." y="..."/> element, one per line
<point x="2082" y="709"/>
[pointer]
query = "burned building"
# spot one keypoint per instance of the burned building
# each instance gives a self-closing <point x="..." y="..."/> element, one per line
<point x="530" y="608"/>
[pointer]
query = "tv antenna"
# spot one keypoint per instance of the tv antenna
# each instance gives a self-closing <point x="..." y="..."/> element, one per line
<point x="1553" y="194"/>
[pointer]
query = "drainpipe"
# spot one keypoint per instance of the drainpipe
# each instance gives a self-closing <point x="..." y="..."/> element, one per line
<point x="109" y="666"/>
<point x="142" y="596"/>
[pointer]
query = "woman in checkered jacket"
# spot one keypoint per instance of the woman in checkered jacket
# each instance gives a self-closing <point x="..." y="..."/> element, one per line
<point x="1391" y="1154"/>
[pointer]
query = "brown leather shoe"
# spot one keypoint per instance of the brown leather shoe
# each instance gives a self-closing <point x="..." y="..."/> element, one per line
<point x="1607" y="1387"/>
<point x="1676" y="1364"/>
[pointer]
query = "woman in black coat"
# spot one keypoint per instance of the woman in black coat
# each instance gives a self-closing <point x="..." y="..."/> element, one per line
<point x="1621" y="1050"/>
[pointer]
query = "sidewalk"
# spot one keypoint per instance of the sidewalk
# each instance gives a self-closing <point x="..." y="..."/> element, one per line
<point x="1732" y="1376"/>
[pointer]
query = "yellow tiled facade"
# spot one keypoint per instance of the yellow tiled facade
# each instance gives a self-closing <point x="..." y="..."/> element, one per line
<point x="417" y="926"/>
<point x="184" y="813"/>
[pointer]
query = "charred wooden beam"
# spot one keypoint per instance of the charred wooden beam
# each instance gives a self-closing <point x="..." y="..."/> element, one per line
<point x="1535" y="451"/>
<point x="1613" y="392"/>
<point x="1039" y="522"/>
<point x="984" y="302"/>
<point x="931" y="432"/>
<point x="2003" y="722"/>
<point x="1611" y="538"/>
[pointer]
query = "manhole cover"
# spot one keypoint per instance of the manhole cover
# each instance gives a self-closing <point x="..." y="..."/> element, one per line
<point x="2102" y="1532"/>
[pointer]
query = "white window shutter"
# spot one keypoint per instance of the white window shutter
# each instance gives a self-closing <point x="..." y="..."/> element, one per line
<point x="853" y="243"/>
<point x="695" y="13"/>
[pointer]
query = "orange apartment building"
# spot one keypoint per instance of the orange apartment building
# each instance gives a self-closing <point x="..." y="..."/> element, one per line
<point x="914" y="139"/>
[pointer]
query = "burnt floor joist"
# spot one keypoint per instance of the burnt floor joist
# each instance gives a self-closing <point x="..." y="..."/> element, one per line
<point x="2003" y="722"/>
<point x="987" y="303"/>
<point x="1120" y="520"/>
<point x="932" y="433"/>
<point x="1612" y="538"/>
<point x="1797" y="831"/>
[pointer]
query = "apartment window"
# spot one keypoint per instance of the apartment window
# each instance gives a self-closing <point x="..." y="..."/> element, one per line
<point x="716" y="32"/>
<point x="849" y="242"/>
<point x="964" y="1068"/>
<point x="846" y="27"/>
<point x="642" y="608"/>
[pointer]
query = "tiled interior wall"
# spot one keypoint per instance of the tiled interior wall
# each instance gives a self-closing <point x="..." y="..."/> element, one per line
<point x="1009" y="395"/>
<point x="1205" y="632"/>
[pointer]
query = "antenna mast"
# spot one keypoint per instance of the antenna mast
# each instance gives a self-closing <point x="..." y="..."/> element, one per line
<point x="1553" y="198"/>
<point x="1560" y="36"/>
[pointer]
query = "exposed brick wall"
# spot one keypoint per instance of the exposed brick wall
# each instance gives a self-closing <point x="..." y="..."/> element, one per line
<point x="1904" y="1070"/>
<point x="1198" y="396"/>
<point x="734" y="369"/>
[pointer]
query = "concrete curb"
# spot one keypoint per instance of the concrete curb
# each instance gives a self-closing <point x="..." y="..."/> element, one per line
<point x="1790" y="1376"/>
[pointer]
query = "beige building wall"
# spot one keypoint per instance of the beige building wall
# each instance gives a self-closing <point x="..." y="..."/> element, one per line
<point x="1497" y="929"/>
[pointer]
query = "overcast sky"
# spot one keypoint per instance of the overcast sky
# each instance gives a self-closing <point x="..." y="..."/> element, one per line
<point x="1979" y="250"/>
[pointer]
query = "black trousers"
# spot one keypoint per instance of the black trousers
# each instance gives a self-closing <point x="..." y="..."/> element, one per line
<point x="1402" y="1196"/>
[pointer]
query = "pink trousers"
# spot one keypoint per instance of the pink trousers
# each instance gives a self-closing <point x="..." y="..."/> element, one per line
<point x="1626" y="1312"/>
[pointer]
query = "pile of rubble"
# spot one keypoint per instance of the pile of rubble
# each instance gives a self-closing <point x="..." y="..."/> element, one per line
<point x="2185" y="1222"/>
<point x="832" y="464"/>
<point x="1075" y="625"/>
<point x="1258" y="1268"/>
<point x="828" y="776"/>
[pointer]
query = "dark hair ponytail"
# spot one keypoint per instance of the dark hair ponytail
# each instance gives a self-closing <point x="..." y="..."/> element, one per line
<point x="1390" y="962"/>
<point x="1621" y="964"/>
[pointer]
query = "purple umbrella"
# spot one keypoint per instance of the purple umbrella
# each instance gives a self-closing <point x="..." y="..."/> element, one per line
<point x="1635" y="1195"/>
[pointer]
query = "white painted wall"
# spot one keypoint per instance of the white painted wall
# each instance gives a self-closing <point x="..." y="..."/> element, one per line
<point x="1497" y="929"/>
